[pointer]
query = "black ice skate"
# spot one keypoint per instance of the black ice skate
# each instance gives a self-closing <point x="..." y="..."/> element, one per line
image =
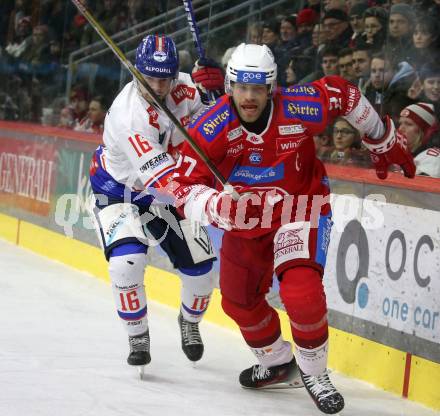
<point x="276" y="377"/>
<point x="192" y="344"/>
<point x="324" y="394"/>
<point x="139" y="351"/>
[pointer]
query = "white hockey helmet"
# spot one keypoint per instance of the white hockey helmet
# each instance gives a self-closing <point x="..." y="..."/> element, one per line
<point x="251" y="64"/>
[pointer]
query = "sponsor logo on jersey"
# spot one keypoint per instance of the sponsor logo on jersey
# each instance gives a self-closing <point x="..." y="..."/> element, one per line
<point x="291" y="129"/>
<point x="289" y="144"/>
<point x="181" y="92"/>
<point x="254" y="175"/>
<point x="353" y="98"/>
<point x="216" y="122"/>
<point x="235" y="150"/>
<point x="289" y="241"/>
<point x="305" y="90"/>
<point x="364" y="115"/>
<point x="154" y="162"/>
<point x="247" y="77"/>
<point x="153" y="116"/>
<point x="235" y="134"/>
<point x="255" y="158"/>
<point x="184" y="121"/>
<point x="255" y="139"/>
<point x="303" y="110"/>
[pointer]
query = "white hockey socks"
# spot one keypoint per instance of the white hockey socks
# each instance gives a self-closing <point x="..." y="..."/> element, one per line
<point x="195" y="295"/>
<point x="127" y="276"/>
<point x="280" y="352"/>
<point x="312" y="362"/>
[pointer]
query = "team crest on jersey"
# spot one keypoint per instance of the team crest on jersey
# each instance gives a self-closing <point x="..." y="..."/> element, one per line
<point x="184" y="121"/>
<point x="254" y="139"/>
<point x="159" y="56"/>
<point x="291" y="129"/>
<point x="255" y="158"/>
<point x="153" y="116"/>
<point x="216" y="122"/>
<point x="305" y="90"/>
<point x="303" y="110"/>
<point x="235" y="134"/>
<point x="181" y="92"/>
<point x="254" y="175"/>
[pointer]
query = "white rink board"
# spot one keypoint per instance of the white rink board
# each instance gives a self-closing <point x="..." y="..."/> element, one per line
<point x="391" y="266"/>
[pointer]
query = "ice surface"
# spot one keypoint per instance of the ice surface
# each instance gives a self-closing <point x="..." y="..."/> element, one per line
<point x="63" y="351"/>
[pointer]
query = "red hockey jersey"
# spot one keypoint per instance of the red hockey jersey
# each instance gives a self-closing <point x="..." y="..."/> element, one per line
<point x="282" y="157"/>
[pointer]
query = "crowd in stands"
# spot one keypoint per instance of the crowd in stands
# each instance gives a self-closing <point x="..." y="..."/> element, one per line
<point x="390" y="49"/>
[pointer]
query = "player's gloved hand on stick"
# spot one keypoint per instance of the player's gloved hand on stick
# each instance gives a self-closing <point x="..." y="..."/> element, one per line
<point x="209" y="79"/>
<point x="390" y="149"/>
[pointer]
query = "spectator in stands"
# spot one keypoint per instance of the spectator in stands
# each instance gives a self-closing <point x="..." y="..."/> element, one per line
<point x="389" y="83"/>
<point x="357" y="21"/>
<point x="323" y="145"/>
<point x="339" y="30"/>
<point x="345" y="64"/>
<point x="335" y="5"/>
<point x="94" y="120"/>
<point x="37" y="51"/>
<point x="288" y="31"/>
<point x="418" y="123"/>
<point x="254" y="33"/>
<point x="328" y="65"/>
<point x="429" y="76"/>
<point x="76" y="109"/>
<point x="426" y="41"/>
<point x="21" y="39"/>
<point x="305" y="22"/>
<point x="347" y="144"/>
<point x="375" y="25"/>
<point x="22" y="8"/>
<point x="361" y="65"/>
<point x="291" y="77"/>
<point x="401" y="25"/>
<point x="271" y="35"/>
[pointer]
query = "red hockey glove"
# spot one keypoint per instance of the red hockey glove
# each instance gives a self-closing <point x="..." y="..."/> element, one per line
<point x="245" y="213"/>
<point x="209" y="79"/>
<point x="390" y="149"/>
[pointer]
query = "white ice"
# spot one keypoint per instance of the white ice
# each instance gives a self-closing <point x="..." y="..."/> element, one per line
<point x="63" y="351"/>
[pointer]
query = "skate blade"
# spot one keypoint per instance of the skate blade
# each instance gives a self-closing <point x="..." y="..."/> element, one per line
<point x="141" y="371"/>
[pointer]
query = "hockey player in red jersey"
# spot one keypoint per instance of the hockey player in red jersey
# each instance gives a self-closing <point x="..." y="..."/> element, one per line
<point x="261" y="140"/>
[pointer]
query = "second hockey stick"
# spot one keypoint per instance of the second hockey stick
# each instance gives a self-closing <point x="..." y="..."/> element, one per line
<point x="195" y="32"/>
<point x="133" y="71"/>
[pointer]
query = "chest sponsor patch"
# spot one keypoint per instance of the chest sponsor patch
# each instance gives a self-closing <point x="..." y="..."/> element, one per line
<point x="216" y="122"/>
<point x="235" y="134"/>
<point x="291" y="129"/>
<point x="303" y="110"/>
<point x="289" y="144"/>
<point x="254" y="175"/>
<point x="235" y="150"/>
<point x="154" y="162"/>
<point x="305" y="90"/>
<point x="182" y="92"/>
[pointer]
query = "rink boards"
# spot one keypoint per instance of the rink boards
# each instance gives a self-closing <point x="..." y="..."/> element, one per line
<point x="383" y="267"/>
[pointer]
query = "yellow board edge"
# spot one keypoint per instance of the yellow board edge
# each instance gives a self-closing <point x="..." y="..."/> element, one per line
<point x="348" y="352"/>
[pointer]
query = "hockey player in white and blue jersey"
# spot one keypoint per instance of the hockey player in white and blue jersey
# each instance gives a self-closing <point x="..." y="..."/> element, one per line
<point x="138" y="155"/>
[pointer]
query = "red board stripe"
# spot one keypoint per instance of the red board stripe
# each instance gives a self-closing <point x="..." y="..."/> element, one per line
<point x="406" y="375"/>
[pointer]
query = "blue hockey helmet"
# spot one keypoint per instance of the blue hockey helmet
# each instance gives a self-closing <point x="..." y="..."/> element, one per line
<point x="156" y="56"/>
